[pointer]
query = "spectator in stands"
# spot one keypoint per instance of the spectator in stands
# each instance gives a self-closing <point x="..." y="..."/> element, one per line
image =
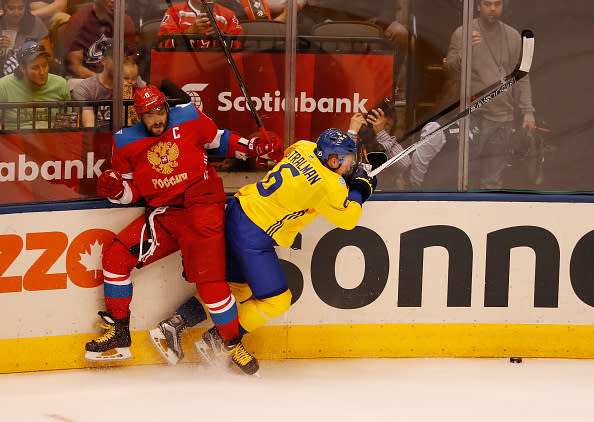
<point x="247" y="10"/>
<point x="32" y="81"/>
<point x="88" y="31"/>
<point x="186" y="18"/>
<point x="278" y="9"/>
<point x="410" y="171"/>
<point x="54" y="16"/>
<point x="54" y="43"/>
<point x="313" y="12"/>
<point x="17" y="26"/>
<point x="496" y="48"/>
<point x="46" y="9"/>
<point x="100" y="87"/>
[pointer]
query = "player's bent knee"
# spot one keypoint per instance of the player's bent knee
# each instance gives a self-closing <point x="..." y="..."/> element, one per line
<point x="241" y="291"/>
<point x="118" y="259"/>
<point x="278" y="305"/>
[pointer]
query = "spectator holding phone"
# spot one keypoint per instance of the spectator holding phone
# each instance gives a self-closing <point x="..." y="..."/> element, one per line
<point x="17" y="26"/>
<point x="189" y="18"/>
<point x="412" y="167"/>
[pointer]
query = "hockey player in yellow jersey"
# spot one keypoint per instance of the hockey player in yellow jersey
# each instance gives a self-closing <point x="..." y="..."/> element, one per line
<point x="312" y="178"/>
<point x="298" y="189"/>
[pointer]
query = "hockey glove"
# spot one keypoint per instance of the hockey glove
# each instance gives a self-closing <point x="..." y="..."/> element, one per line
<point x="110" y="184"/>
<point x="260" y="147"/>
<point x="363" y="183"/>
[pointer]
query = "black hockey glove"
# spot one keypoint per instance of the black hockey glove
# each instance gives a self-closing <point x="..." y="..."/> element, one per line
<point x="361" y="181"/>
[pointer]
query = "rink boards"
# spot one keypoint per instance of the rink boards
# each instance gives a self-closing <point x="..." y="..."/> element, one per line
<point x="415" y="278"/>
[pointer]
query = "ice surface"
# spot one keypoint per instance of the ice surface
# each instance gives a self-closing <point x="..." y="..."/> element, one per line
<point x="309" y="390"/>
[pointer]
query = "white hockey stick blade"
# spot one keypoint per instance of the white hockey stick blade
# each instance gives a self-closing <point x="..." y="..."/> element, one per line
<point x="158" y="340"/>
<point x="484" y="96"/>
<point x="527" y="50"/>
<point x="119" y="353"/>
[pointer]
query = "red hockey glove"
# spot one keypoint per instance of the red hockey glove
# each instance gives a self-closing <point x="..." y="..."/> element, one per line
<point x="272" y="149"/>
<point x="110" y="184"/>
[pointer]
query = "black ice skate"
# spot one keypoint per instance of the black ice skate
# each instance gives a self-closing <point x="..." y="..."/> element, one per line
<point x="167" y="338"/>
<point x="114" y="344"/>
<point x="243" y="359"/>
<point x="210" y="347"/>
<point x="213" y="350"/>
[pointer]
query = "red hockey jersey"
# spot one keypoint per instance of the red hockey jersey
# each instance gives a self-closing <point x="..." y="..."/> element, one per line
<point x="180" y="17"/>
<point x="160" y="169"/>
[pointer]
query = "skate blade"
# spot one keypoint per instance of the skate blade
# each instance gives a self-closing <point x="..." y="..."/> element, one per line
<point x="119" y="353"/>
<point x="158" y="340"/>
<point x="208" y="355"/>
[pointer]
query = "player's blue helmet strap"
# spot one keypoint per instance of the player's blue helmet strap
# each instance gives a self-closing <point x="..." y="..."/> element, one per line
<point x="335" y="141"/>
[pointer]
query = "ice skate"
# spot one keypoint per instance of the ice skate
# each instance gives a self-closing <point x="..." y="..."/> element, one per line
<point x="114" y="344"/>
<point x="167" y="338"/>
<point x="210" y="347"/>
<point x="213" y="350"/>
<point x="243" y="359"/>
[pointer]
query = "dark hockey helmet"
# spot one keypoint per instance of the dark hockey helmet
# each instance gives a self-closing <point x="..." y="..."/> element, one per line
<point x="335" y="141"/>
<point x="148" y="98"/>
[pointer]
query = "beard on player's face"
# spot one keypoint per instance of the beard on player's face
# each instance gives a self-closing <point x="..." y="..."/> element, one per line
<point x="155" y="122"/>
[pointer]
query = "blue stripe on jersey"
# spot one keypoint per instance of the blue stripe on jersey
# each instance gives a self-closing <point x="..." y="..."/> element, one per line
<point x="130" y="134"/>
<point x="223" y="147"/>
<point x="181" y="114"/>
<point x="224" y="317"/>
<point x="117" y="292"/>
<point x="276" y="226"/>
<point x="177" y="115"/>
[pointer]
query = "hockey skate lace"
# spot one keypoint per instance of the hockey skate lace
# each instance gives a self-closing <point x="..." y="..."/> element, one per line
<point x="108" y="335"/>
<point x="241" y="356"/>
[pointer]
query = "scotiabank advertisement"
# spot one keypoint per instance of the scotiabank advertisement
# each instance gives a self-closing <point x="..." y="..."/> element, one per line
<point x="330" y="88"/>
<point x="52" y="166"/>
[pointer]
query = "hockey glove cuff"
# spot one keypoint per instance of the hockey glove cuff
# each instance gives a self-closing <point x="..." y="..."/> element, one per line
<point x="260" y="147"/>
<point x="363" y="183"/>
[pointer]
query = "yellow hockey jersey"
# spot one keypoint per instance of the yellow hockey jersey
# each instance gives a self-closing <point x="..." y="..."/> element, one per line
<point x="294" y="192"/>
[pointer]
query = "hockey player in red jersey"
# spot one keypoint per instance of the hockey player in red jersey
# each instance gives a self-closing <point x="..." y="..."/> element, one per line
<point x="163" y="159"/>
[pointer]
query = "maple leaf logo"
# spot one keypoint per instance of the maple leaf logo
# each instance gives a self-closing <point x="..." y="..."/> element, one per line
<point x="92" y="260"/>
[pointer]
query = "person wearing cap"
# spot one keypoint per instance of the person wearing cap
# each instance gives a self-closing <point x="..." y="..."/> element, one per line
<point x="163" y="160"/>
<point x="30" y="82"/>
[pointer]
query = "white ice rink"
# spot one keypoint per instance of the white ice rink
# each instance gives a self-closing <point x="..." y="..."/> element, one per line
<point x="303" y="390"/>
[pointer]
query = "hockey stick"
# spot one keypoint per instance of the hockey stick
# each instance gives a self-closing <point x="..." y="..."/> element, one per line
<point x="483" y="96"/>
<point x="242" y="86"/>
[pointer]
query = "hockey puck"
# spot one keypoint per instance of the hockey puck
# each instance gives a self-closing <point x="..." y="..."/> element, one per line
<point x="515" y="360"/>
